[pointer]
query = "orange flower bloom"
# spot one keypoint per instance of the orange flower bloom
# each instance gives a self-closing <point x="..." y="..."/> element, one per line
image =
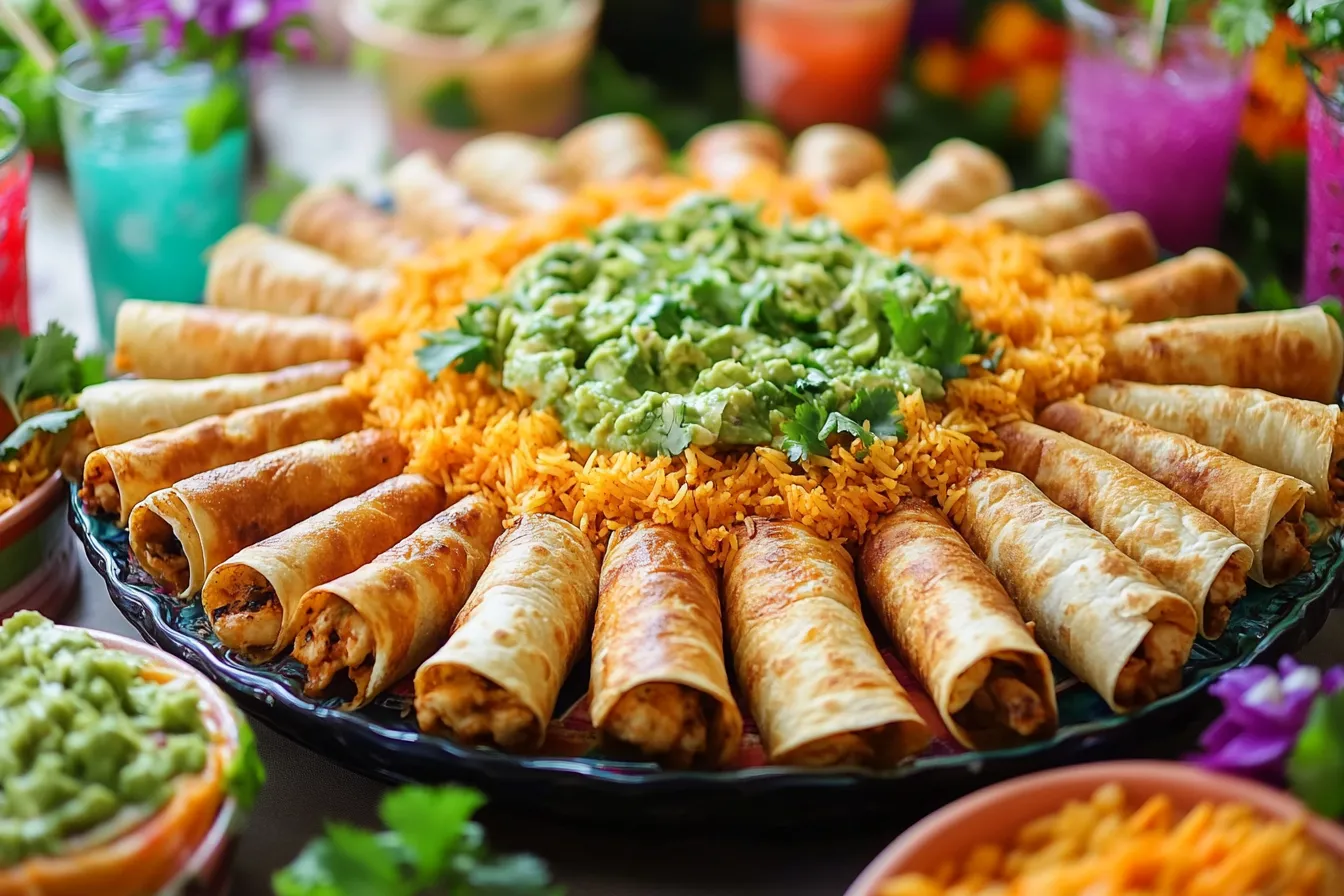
<point x="1036" y="87"/>
<point x="1009" y="31"/>
<point x="1274" y="119"/>
<point x="939" y="69"/>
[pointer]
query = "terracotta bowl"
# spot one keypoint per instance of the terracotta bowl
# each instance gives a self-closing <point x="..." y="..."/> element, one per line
<point x="203" y="868"/>
<point x="995" y="814"/>
<point x="39" y="569"/>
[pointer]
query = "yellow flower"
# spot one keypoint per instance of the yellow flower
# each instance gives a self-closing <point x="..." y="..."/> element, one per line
<point x="939" y="68"/>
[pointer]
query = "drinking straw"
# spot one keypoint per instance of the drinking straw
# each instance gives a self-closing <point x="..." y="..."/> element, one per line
<point x="27" y="36"/>
<point x="79" y="23"/>
<point x="1158" y="31"/>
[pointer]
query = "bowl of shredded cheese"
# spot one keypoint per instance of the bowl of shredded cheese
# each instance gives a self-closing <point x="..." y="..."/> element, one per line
<point x="1114" y="829"/>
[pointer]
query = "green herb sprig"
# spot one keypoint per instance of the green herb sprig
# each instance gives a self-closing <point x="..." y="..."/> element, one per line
<point x="868" y="416"/>
<point x="431" y="846"/>
<point x="41" y="366"/>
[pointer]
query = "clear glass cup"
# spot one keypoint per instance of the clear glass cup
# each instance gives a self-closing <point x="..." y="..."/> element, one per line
<point x="1154" y="136"/>
<point x="806" y="62"/>
<point x="149" y="205"/>
<point x="16" y="169"/>
<point x="1324" y="268"/>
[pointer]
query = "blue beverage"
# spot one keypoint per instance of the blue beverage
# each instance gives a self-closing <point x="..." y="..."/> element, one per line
<point x="150" y="207"/>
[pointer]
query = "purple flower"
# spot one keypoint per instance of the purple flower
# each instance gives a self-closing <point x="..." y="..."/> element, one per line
<point x="262" y="26"/>
<point x="1263" y="714"/>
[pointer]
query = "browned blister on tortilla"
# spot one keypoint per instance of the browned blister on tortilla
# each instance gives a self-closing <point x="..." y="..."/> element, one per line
<point x="957" y="630"/>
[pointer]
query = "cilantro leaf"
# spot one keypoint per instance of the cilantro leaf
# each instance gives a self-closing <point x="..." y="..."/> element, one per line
<point x="1316" y="766"/>
<point x="1331" y="306"/>
<point x="879" y="408"/>
<point x="13" y="368"/>
<point x="450" y="348"/>
<point x="52" y="422"/>
<point x="1273" y="296"/>
<point x="430" y="821"/>
<point x="52" y="367"/>
<point x="802" y="434"/>
<point x="675" y="433"/>
<point x="246" y="774"/>
<point x="507" y="875"/>
<point x="837" y="423"/>
<point x="1242" y="24"/>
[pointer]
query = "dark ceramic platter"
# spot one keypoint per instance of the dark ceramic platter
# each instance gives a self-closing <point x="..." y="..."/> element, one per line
<point x="382" y="741"/>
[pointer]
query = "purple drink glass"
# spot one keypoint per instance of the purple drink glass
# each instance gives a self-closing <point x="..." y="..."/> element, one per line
<point x="1324" y="275"/>
<point x="1155" y="137"/>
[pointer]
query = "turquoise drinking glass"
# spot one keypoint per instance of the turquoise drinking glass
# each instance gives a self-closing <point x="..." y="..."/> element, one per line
<point x="150" y="205"/>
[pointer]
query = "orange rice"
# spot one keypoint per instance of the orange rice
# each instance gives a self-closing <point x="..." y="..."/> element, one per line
<point x="473" y="437"/>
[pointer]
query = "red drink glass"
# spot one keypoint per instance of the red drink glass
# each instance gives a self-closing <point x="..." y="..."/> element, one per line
<point x="16" y="169"/>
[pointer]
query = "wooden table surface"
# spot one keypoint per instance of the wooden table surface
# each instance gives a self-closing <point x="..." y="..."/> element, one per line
<point x="322" y="124"/>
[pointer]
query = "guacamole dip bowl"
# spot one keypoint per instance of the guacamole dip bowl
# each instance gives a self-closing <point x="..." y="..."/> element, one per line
<point x="182" y="848"/>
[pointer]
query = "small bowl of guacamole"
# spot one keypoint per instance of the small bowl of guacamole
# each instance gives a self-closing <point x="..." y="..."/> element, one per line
<point x="454" y="69"/>
<point x="126" y="772"/>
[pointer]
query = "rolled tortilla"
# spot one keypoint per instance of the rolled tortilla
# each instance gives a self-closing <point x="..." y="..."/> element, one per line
<point x="1202" y="281"/>
<point x="497" y="679"/>
<point x="958" y="630"/>
<point x="1044" y="210"/>
<point x="180" y="534"/>
<point x="119" y="477"/>
<point x="175" y="341"/>
<point x="374" y="626"/>
<point x="1189" y="551"/>
<point x="254" y="269"/>
<point x="1104" y="249"/>
<point x="252" y="599"/>
<point x="724" y="152"/>
<point x="659" y="686"/>
<point x="818" y="689"/>
<point x="514" y="173"/>
<point x="1110" y="621"/>
<point x="1298" y="438"/>
<point x="336" y="221"/>
<point x="836" y="156"/>
<point x="1262" y="508"/>
<point x="957" y="177"/>
<point x="125" y="409"/>
<point x="430" y="205"/>
<point x="1299" y="353"/>
<point x="612" y="148"/>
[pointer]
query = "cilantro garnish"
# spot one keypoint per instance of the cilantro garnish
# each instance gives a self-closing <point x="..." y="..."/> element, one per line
<point x="245" y="775"/>
<point x="868" y="416"/>
<point x="431" y="845"/>
<point x="1316" y="766"/>
<point x="802" y="434"/>
<point x="472" y="344"/>
<point x="41" y="366"/>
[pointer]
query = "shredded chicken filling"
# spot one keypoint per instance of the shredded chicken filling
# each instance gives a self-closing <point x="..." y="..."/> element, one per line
<point x="251" y="620"/>
<point x="478" y="711"/>
<point x="846" y="748"/>
<point x="1228" y="587"/>
<point x="164" y="558"/>
<point x="1006" y="699"/>
<point x="336" y="640"/>
<point x="1286" y="553"/>
<point x="663" y="721"/>
<point x="1155" y="668"/>
<point x="99" y="493"/>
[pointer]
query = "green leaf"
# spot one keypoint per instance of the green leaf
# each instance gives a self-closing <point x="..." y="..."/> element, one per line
<point x="1242" y="24"/>
<point x="366" y="59"/>
<point x="674" y="433"/>
<point x="51" y="421"/>
<point x="880" y="409"/>
<point x="246" y="774"/>
<point x="92" y="370"/>
<point x="430" y="822"/>
<point x="52" y="368"/>
<point x="449" y="106"/>
<point x="837" y="423"/>
<point x="509" y="876"/>
<point x="363" y="861"/>
<point x="451" y="348"/>
<point x="209" y="119"/>
<point x="196" y="44"/>
<point x="307" y="875"/>
<point x="1332" y="306"/>
<point x="1316" y="766"/>
<point x="151" y="34"/>
<point x="13" y="368"/>
<point x="802" y="434"/>
<point x="1272" y="296"/>
<point x="113" y="55"/>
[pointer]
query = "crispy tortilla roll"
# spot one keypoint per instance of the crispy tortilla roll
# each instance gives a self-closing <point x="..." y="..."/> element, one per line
<point x="430" y="205"/>
<point x="255" y="269"/>
<point x="1110" y="621"/>
<point x="835" y="156"/>
<point x="958" y="630"/>
<point x="1104" y="249"/>
<point x="659" y="683"/>
<point x="497" y="679"/>
<point x="1189" y="551"/>
<point x="1299" y="353"/>
<point x="336" y="221"/>
<point x="372" y="627"/>
<point x="180" y="534"/>
<point x="819" y="691"/>
<point x="612" y="148"/>
<point x="121" y="410"/>
<point x="514" y="173"/>
<point x="252" y="599"/>
<point x="1302" y="439"/>
<point x="1262" y="508"/>
<point x="1202" y="281"/>
<point x="957" y="177"/>
<point x="1044" y="210"/>
<point x="723" y="153"/>
<point x="118" y="477"/>
<point x="174" y="341"/>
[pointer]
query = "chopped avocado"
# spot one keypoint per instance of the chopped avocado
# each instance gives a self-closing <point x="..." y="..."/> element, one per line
<point x="710" y="327"/>
<point x="85" y="741"/>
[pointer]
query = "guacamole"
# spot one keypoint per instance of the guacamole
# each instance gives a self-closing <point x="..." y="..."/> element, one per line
<point x="709" y="327"/>
<point x="85" y="743"/>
